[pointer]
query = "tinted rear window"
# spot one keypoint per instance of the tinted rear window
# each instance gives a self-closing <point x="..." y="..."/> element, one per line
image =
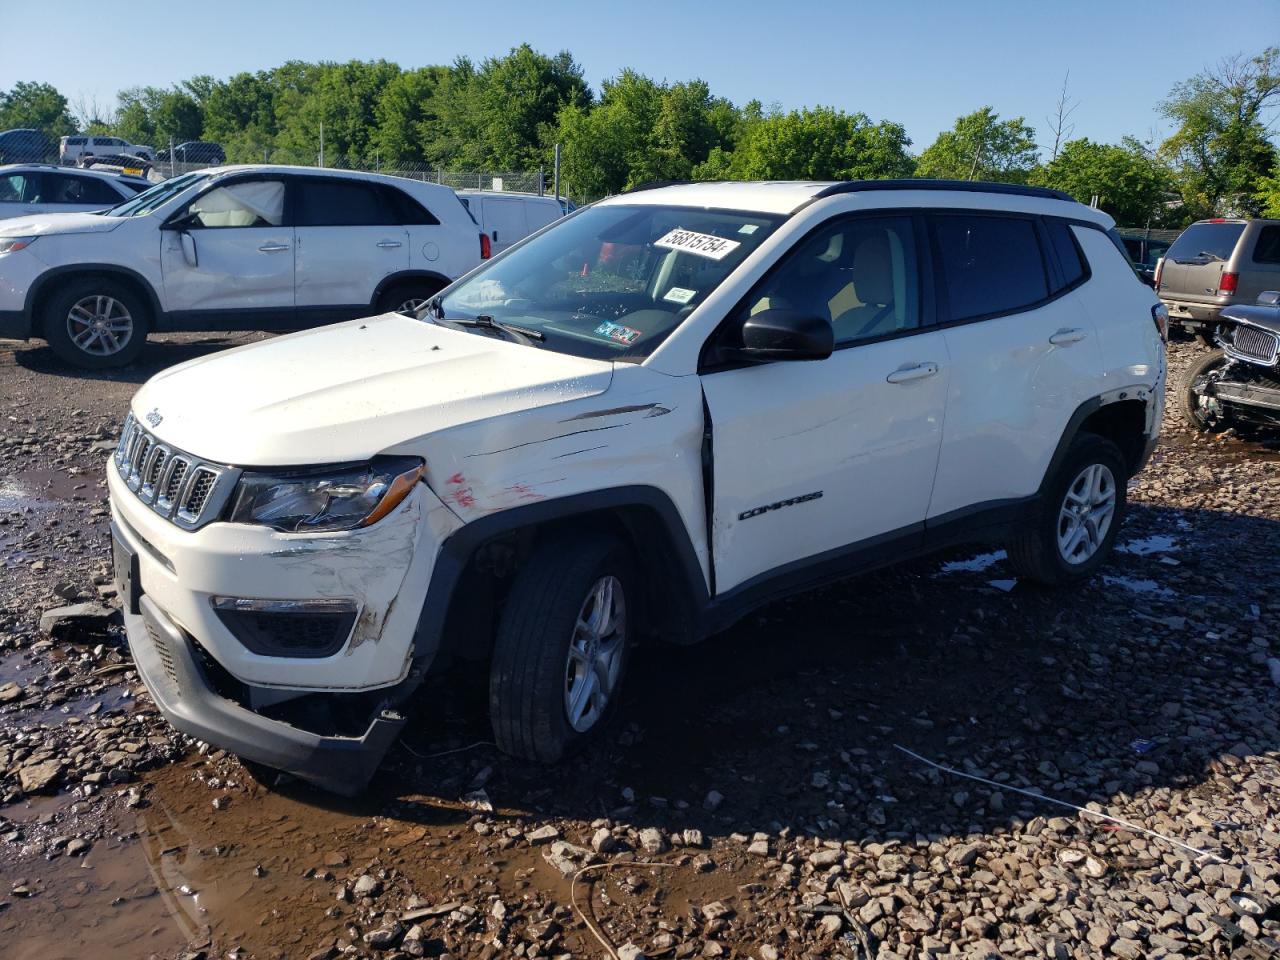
<point x="335" y="203"/>
<point x="989" y="265"/>
<point x="1268" y="248"/>
<point x="1217" y="240"/>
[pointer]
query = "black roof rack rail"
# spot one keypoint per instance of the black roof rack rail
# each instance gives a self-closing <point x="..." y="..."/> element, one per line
<point x="968" y="186"/>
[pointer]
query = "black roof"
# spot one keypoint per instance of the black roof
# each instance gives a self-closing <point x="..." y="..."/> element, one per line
<point x="968" y="186"/>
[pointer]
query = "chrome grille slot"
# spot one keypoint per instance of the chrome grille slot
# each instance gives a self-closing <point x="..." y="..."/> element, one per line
<point x="1255" y="344"/>
<point x="183" y="489"/>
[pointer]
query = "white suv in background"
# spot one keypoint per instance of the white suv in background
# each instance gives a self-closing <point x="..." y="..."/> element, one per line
<point x="71" y="149"/>
<point x="253" y="247"/>
<point x="665" y="410"/>
<point x="27" y="188"/>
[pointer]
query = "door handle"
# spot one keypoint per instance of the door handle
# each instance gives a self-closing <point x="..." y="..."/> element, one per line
<point x="387" y="244"/>
<point x="1067" y="336"/>
<point x="273" y="247"/>
<point x="915" y="371"/>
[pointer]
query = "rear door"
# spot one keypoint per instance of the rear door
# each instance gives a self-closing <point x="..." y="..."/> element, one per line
<point x="72" y="192"/>
<point x="1024" y="354"/>
<point x="505" y="221"/>
<point x="1260" y="264"/>
<point x="227" y="258"/>
<point x="349" y="238"/>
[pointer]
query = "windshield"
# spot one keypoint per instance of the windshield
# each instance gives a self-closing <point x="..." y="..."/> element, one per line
<point x="613" y="281"/>
<point x="148" y="200"/>
<point x="1206" y="241"/>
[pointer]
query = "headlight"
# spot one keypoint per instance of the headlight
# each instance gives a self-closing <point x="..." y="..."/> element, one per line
<point x="336" y="500"/>
<point x="14" y="244"/>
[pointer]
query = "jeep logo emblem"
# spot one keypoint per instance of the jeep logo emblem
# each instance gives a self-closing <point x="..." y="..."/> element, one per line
<point x="154" y="417"/>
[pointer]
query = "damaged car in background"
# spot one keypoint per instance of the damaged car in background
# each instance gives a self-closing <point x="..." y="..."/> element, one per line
<point x="637" y="425"/>
<point x="1240" y="381"/>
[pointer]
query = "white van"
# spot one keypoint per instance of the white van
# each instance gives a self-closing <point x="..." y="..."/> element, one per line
<point x="506" y="218"/>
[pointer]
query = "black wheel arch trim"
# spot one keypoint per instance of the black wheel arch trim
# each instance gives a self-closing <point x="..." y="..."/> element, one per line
<point x="457" y="551"/>
<point x="406" y="276"/>
<point x="95" y="269"/>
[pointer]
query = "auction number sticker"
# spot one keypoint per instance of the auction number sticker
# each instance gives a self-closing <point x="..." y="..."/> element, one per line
<point x="616" y="331"/>
<point x="702" y="244"/>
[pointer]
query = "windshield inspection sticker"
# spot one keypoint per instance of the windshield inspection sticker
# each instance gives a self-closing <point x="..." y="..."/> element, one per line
<point x="616" y="331"/>
<point x="679" y="295"/>
<point x="702" y="244"/>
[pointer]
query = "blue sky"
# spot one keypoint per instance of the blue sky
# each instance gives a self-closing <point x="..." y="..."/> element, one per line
<point x="921" y="64"/>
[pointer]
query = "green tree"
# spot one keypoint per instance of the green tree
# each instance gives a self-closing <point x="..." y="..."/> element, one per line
<point x="343" y="97"/>
<point x="818" y="144"/>
<point x="1128" y="182"/>
<point x="406" y="114"/>
<point x="610" y="147"/>
<point x="1268" y="197"/>
<point x="981" y="146"/>
<point x="1221" y="147"/>
<point x="37" y="106"/>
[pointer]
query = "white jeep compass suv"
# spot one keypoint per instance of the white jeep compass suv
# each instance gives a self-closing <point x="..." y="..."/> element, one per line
<point x="636" y="425"/>
<point x="232" y="248"/>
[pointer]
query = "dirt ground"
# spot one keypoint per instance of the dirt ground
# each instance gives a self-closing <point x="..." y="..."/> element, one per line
<point x="765" y="770"/>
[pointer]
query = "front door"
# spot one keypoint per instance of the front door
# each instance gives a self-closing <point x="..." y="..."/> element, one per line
<point x="812" y="457"/>
<point x="228" y="258"/>
<point x="349" y="239"/>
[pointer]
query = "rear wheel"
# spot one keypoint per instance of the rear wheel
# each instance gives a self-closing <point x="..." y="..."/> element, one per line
<point x="1075" y="527"/>
<point x="562" y="645"/>
<point x="96" y="323"/>
<point x="407" y="298"/>
<point x="1203" y="413"/>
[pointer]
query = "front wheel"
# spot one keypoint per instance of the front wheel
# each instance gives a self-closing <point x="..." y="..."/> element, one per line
<point x="1203" y="413"/>
<point x="407" y="298"/>
<point x="96" y="323"/>
<point x="1075" y="527"/>
<point x="562" y="647"/>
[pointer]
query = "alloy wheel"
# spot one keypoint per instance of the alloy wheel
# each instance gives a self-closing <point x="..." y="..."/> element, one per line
<point x="594" y="664"/>
<point x="1086" y="513"/>
<point x="99" y="325"/>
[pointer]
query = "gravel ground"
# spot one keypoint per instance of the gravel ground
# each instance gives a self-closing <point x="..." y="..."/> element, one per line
<point x="758" y="800"/>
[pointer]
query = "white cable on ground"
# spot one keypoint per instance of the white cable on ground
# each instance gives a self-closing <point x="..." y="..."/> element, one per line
<point x="1062" y="803"/>
<point x="446" y="753"/>
<point x="591" y="925"/>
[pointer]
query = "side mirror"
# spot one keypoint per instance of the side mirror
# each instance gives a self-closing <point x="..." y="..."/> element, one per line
<point x="189" y="249"/>
<point x="783" y="334"/>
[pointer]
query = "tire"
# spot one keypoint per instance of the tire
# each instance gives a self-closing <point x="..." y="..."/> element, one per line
<point x="122" y="320"/>
<point x="533" y="674"/>
<point x="1191" y="408"/>
<point x="1037" y="553"/>
<point x="396" y="298"/>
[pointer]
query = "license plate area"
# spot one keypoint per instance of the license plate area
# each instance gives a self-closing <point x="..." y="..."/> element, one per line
<point x="124" y="562"/>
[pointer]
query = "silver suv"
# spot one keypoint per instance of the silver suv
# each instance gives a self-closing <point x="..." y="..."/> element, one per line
<point x="1215" y="263"/>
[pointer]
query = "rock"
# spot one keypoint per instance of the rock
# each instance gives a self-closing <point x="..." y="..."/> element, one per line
<point x="384" y="938"/>
<point x="713" y="800"/>
<point x="629" y="951"/>
<point x="602" y="841"/>
<point x="826" y="857"/>
<point x="1129" y="949"/>
<point x="652" y="841"/>
<point x="964" y="856"/>
<point x="831" y="925"/>
<point x="367" y="886"/>
<point x="758" y="848"/>
<point x="544" y="834"/>
<point x="77" y="617"/>
<point x="566" y="857"/>
<point x="768" y="952"/>
<point x="10" y="692"/>
<point x="692" y="838"/>
<point x="717" y="909"/>
<point x="78" y="846"/>
<point x="39" y="777"/>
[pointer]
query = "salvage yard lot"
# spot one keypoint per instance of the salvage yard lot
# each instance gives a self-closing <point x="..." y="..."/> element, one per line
<point x="761" y="767"/>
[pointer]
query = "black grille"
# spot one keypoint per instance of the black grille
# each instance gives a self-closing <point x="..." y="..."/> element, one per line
<point x="181" y="488"/>
<point x="155" y="467"/>
<point x="199" y="492"/>
<point x="1255" y="344"/>
<point x="175" y="480"/>
<point x="301" y="633"/>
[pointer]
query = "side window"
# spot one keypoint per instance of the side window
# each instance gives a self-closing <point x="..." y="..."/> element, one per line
<point x="405" y="209"/>
<point x="860" y="274"/>
<point x="1268" y="246"/>
<point x="68" y="188"/>
<point x="988" y="265"/>
<point x="249" y="203"/>
<point x="20" y="188"/>
<point x="340" y="203"/>
<point x="1070" y="260"/>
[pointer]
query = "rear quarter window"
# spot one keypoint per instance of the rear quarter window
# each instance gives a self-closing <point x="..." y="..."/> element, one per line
<point x="1070" y="259"/>
<point x="1267" y="249"/>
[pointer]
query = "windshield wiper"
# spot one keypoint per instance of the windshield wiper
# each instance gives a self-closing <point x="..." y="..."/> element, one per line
<point x="522" y="335"/>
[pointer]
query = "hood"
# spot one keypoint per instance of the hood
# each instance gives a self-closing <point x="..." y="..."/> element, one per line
<point x="350" y="391"/>
<point x="40" y="224"/>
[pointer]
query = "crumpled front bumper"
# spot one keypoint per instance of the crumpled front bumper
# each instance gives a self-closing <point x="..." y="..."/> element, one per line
<point x="182" y="690"/>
